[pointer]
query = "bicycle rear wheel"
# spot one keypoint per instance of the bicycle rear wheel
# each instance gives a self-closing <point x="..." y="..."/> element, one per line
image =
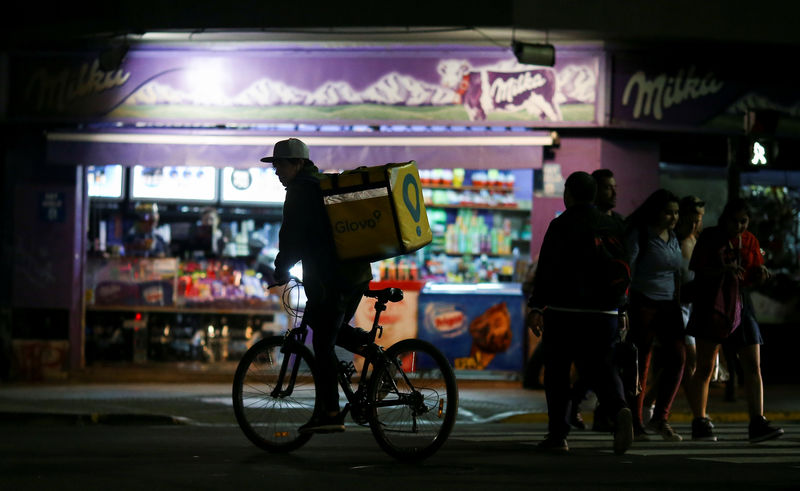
<point x="412" y="415"/>
<point x="267" y="414"/>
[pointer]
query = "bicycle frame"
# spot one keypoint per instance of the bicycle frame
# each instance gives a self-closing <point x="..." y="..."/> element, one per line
<point x="297" y="335"/>
<point x="375" y="353"/>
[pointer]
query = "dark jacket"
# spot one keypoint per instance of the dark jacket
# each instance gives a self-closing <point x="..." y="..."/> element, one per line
<point x="566" y="261"/>
<point x="306" y="236"/>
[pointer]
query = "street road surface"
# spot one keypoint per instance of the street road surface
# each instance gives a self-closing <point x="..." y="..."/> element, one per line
<point x="477" y="456"/>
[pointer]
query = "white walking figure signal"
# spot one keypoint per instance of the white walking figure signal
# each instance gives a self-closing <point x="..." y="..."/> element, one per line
<point x="759" y="154"/>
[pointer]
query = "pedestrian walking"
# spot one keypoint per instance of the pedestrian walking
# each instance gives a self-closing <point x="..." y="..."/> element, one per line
<point x="727" y="262"/>
<point x="575" y="310"/>
<point x="691" y="210"/>
<point x="690" y="225"/>
<point x="654" y="311"/>
<point x="605" y="201"/>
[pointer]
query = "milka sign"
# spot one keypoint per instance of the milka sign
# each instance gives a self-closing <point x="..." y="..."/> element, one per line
<point x="652" y="96"/>
<point x="57" y="90"/>
<point x="506" y="90"/>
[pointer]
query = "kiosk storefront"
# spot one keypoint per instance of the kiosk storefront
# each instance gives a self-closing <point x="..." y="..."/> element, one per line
<point x="474" y="119"/>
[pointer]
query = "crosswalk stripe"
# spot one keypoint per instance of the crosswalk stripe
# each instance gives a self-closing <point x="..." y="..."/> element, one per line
<point x="755" y="459"/>
<point x="676" y="450"/>
<point x="732" y="447"/>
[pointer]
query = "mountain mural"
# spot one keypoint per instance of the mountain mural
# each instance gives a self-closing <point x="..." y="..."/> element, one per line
<point x="391" y="89"/>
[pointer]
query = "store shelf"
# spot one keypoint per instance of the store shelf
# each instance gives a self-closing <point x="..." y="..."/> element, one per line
<point x="491" y="189"/>
<point x="153" y="309"/>
<point x="481" y="207"/>
<point x="473" y="254"/>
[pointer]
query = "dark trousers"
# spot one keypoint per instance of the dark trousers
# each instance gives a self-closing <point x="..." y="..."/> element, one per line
<point x="587" y="340"/>
<point x="329" y="316"/>
<point x="652" y="320"/>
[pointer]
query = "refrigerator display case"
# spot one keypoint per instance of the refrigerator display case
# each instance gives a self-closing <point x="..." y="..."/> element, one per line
<point x="477" y="326"/>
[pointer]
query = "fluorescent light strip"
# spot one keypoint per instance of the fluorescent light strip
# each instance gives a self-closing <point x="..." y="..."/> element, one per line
<point x="345" y="141"/>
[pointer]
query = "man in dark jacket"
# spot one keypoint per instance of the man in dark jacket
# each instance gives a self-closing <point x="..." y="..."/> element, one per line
<point x="577" y="324"/>
<point x="333" y="288"/>
<point x="605" y="201"/>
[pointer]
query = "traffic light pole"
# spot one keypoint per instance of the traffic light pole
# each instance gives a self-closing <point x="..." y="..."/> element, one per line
<point x="734" y="167"/>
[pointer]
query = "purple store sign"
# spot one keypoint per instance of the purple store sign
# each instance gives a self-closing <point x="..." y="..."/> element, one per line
<point x="691" y="92"/>
<point x="466" y="86"/>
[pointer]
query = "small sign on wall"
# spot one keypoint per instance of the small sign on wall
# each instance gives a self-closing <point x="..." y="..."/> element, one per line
<point x="51" y="207"/>
<point x="553" y="181"/>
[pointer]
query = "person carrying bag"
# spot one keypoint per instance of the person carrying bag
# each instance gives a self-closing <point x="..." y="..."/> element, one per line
<point x="717" y="299"/>
<point x="727" y="260"/>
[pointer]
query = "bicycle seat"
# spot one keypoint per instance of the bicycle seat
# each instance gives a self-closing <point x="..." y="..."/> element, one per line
<point x="385" y="295"/>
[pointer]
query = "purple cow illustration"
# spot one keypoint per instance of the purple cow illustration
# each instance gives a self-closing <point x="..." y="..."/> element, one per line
<point x="483" y="91"/>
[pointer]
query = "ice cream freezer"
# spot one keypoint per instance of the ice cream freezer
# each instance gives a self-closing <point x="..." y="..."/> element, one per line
<point x="477" y="326"/>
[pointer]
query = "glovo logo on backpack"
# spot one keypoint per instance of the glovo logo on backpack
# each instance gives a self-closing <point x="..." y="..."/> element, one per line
<point x="345" y="226"/>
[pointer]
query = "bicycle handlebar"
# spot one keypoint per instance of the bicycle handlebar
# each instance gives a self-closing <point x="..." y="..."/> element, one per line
<point x="385" y="295"/>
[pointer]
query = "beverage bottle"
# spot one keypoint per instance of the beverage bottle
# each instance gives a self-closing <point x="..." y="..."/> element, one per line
<point x="402" y="270"/>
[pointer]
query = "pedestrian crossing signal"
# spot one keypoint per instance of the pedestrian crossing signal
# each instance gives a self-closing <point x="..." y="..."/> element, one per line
<point x="762" y="152"/>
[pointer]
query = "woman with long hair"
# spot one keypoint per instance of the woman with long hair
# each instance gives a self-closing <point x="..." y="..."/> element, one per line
<point x="727" y="261"/>
<point x="690" y="223"/>
<point x="654" y="311"/>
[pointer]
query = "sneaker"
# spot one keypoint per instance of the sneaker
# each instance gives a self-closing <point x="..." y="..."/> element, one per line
<point x="760" y="430"/>
<point x="553" y="444"/>
<point x="387" y="385"/>
<point x="703" y="430"/>
<point x="639" y="435"/>
<point x="324" y="424"/>
<point x="576" y="421"/>
<point x="663" y="428"/>
<point x="623" y="433"/>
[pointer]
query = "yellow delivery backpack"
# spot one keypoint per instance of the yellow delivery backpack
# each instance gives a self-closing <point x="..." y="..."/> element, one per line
<point x="376" y="212"/>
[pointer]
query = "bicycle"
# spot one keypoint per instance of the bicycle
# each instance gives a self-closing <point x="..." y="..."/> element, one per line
<point x="406" y="394"/>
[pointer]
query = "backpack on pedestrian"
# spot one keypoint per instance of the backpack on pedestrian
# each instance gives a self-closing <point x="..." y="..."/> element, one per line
<point x="612" y="272"/>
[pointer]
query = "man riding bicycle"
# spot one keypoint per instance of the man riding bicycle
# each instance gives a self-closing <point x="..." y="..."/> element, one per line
<point x="333" y="287"/>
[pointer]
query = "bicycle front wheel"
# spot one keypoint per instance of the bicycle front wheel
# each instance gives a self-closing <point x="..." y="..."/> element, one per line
<point x="274" y="394"/>
<point x="413" y="408"/>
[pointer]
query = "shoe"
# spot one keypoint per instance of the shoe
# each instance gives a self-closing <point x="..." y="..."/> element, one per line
<point x="760" y="430"/>
<point x="703" y="430"/>
<point x="576" y="421"/>
<point x="623" y="433"/>
<point x="647" y="412"/>
<point x="553" y="444"/>
<point x="663" y="428"/>
<point x="639" y="435"/>
<point x="324" y="424"/>
<point x="387" y="385"/>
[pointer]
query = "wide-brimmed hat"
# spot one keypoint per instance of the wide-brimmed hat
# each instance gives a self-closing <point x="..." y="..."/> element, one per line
<point x="288" y="149"/>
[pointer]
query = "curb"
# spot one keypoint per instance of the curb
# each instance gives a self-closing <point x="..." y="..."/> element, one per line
<point x="123" y="419"/>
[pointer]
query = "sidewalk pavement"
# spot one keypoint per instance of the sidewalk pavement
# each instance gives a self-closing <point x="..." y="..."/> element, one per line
<point x="188" y="393"/>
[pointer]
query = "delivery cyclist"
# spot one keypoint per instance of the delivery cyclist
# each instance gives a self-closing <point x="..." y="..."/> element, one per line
<point x="333" y="287"/>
